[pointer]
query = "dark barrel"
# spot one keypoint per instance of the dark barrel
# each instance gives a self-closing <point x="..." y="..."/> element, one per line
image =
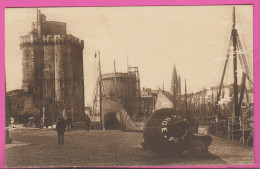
<point x="166" y="132"/>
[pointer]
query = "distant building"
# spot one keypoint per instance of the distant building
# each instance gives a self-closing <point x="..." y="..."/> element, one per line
<point x="203" y="101"/>
<point x="20" y="105"/>
<point x="147" y="102"/>
<point x="53" y="82"/>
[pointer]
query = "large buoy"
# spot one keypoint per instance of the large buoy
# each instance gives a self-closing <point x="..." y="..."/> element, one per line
<point x="165" y="132"/>
<point x="168" y="132"/>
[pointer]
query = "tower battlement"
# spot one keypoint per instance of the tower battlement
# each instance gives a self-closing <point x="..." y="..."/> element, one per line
<point x="28" y="40"/>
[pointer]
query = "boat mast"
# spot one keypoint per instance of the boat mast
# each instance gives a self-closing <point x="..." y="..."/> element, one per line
<point x="100" y="92"/>
<point x="115" y="79"/>
<point x="163" y="86"/>
<point x="186" y="101"/>
<point x="234" y="40"/>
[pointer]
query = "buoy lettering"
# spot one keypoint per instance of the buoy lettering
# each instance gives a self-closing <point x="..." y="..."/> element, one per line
<point x="164" y="129"/>
<point x="167" y="119"/>
<point x="164" y="123"/>
<point x="172" y="139"/>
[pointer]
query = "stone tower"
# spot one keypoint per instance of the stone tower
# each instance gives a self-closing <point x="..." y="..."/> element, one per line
<point x="53" y="69"/>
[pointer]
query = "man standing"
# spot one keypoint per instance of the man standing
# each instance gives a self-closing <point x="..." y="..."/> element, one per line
<point x="87" y="120"/>
<point x="61" y="128"/>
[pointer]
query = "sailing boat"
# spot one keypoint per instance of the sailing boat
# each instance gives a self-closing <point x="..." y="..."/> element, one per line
<point x="234" y="48"/>
<point x="111" y="110"/>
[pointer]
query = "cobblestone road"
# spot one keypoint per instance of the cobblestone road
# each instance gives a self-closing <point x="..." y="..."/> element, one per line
<point x="232" y="151"/>
<point x="34" y="148"/>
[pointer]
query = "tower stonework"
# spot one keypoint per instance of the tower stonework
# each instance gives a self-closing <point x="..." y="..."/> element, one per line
<point x="53" y="69"/>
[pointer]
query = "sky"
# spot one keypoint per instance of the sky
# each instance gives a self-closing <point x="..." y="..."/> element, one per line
<point x="194" y="38"/>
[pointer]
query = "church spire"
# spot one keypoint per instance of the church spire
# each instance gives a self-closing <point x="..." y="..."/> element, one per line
<point x="174" y="80"/>
<point x="179" y="85"/>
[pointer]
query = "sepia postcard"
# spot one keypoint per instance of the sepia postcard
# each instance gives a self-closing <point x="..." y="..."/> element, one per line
<point x="116" y="86"/>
